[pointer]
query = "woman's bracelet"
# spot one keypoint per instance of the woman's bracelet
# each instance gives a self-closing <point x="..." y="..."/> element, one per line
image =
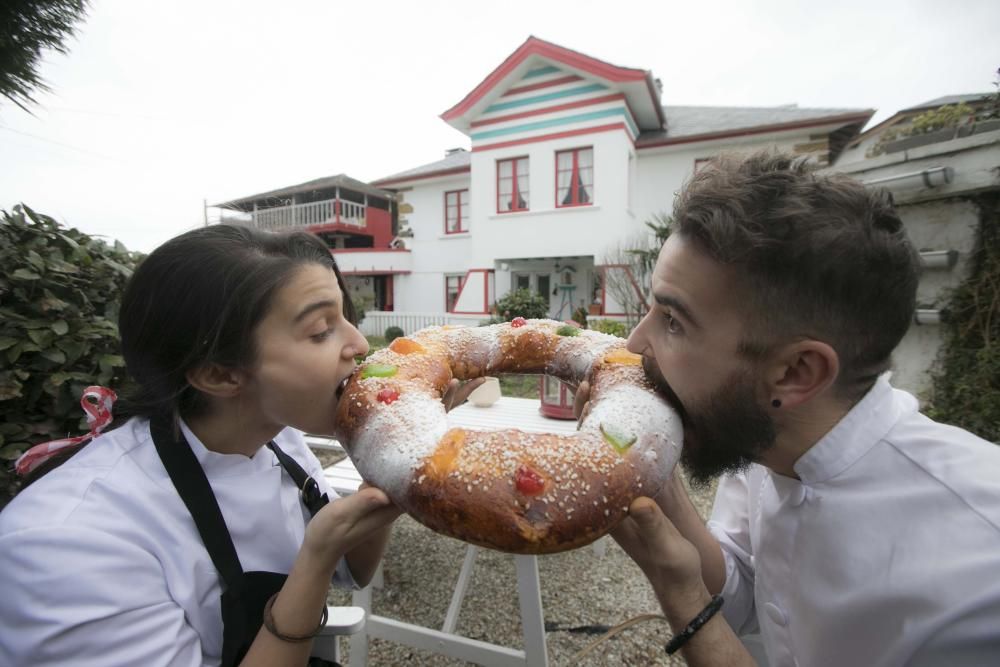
<point x="294" y="639"/>
<point x="701" y="619"/>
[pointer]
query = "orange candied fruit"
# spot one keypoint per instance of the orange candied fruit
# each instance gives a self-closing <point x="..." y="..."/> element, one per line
<point x="622" y="356"/>
<point x="406" y="346"/>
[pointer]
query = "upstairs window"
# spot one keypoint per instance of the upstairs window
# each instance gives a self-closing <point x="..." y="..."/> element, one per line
<point x="575" y="177"/>
<point x="512" y="185"/>
<point x="456" y="212"/>
<point x="452" y="287"/>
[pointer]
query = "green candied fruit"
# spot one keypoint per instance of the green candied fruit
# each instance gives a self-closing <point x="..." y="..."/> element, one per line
<point x="568" y="330"/>
<point x="620" y="441"/>
<point x="378" y="371"/>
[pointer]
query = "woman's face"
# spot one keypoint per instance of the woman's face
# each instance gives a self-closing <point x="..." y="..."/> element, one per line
<point x="305" y="350"/>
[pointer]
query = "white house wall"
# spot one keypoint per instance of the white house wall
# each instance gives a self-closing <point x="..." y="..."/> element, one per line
<point x="435" y="254"/>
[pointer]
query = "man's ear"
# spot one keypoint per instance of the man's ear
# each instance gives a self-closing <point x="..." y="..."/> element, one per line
<point x="803" y="370"/>
<point x="216" y="380"/>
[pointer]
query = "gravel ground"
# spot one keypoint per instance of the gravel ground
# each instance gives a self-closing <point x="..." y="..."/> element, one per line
<point x="581" y="595"/>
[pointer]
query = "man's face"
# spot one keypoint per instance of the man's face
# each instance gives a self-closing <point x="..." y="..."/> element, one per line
<point x="690" y="346"/>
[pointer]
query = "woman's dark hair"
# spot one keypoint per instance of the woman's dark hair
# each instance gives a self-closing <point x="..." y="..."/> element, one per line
<point x="819" y="256"/>
<point x="196" y="299"/>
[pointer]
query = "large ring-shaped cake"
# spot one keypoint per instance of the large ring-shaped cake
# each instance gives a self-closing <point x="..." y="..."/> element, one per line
<point x="506" y="489"/>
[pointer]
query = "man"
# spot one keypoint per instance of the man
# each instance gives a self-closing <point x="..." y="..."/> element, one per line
<point x="848" y="529"/>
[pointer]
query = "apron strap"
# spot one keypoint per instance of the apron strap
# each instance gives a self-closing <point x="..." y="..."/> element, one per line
<point x="308" y="488"/>
<point x="192" y="485"/>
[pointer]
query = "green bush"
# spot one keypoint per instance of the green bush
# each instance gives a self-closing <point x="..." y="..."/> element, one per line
<point x="966" y="378"/>
<point x="392" y="333"/>
<point x="610" y="327"/>
<point x="521" y="303"/>
<point x="59" y="298"/>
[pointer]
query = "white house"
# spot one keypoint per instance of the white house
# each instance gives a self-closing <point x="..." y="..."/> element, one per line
<point x="568" y="157"/>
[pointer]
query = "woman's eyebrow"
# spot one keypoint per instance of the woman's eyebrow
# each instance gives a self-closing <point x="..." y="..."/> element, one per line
<point x="312" y="307"/>
<point x="678" y="305"/>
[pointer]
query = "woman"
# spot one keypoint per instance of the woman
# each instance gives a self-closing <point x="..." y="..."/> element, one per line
<point x="181" y="537"/>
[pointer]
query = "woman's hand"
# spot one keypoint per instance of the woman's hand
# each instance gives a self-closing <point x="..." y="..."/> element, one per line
<point x="347" y="522"/>
<point x="458" y="392"/>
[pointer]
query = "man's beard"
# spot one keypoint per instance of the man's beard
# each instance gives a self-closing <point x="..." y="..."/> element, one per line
<point x="723" y="433"/>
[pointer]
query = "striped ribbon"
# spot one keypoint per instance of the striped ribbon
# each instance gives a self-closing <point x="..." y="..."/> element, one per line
<point x="96" y="402"/>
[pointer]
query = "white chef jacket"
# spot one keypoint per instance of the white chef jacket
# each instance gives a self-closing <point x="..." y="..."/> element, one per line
<point x="102" y="564"/>
<point x="885" y="552"/>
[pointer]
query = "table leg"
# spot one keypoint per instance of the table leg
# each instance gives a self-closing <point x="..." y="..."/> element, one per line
<point x="532" y="622"/>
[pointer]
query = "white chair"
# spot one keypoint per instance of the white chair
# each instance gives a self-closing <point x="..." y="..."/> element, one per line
<point x="341" y="621"/>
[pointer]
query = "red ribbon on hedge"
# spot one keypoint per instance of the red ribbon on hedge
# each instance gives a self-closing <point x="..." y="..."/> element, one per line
<point x="96" y="402"/>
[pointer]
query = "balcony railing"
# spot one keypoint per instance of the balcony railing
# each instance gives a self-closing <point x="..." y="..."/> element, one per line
<point x="326" y="212"/>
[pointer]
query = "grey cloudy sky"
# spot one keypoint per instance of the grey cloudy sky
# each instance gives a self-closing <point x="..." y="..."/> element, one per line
<point x="160" y="105"/>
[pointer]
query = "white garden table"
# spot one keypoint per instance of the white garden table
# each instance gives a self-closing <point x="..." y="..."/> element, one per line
<point x="521" y="413"/>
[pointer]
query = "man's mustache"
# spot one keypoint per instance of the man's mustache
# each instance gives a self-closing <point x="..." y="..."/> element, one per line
<point x="661" y="385"/>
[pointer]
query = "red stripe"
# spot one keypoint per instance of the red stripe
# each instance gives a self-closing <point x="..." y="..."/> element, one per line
<point x="552" y="109"/>
<point x="543" y="84"/>
<point x="557" y="135"/>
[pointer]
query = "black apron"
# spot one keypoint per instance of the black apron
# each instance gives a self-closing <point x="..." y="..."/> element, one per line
<point x="244" y="594"/>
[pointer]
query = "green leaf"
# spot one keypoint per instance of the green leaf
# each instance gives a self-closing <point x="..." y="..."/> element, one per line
<point x="7" y="341"/>
<point x="13" y="451"/>
<point x="60" y="327"/>
<point x="54" y="355"/>
<point x="25" y="274"/>
<point x="109" y="362"/>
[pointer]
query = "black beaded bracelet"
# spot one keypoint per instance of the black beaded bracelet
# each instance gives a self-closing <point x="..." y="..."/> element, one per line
<point x="701" y="619"/>
<point x="293" y="639"/>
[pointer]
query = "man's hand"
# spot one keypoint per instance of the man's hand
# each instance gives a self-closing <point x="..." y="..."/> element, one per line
<point x="670" y="562"/>
<point x="458" y="392"/>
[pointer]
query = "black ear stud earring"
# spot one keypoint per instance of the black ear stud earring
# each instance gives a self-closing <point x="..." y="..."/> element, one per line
<point x="776" y="403"/>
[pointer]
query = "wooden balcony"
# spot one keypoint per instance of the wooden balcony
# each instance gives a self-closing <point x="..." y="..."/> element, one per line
<point x="327" y="212"/>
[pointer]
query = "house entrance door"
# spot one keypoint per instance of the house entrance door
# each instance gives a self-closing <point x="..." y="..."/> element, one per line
<point x="540" y="283"/>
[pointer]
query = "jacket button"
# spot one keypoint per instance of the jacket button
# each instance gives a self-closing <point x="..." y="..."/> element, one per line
<point x="776" y="614"/>
<point x="800" y="495"/>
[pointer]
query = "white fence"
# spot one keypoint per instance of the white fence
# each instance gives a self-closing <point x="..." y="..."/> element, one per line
<point x="377" y="321"/>
<point x="315" y="213"/>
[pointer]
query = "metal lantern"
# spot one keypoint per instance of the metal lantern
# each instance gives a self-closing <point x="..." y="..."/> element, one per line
<point x="557" y="398"/>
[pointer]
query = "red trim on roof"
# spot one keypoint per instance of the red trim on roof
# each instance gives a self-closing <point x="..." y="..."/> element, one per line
<point x="538" y="47"/>
<point x="556" y="135"/>
<point x="544" y="84"/>
<point x="430" y="174"/>
<point x="338" y="251"/>
<point x="375" y="273"/>
<point x="553" y="109"/>
<point x="757" y="129"/>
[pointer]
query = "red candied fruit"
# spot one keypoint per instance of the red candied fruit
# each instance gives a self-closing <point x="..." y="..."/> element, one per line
<point x="387" y="396"/>
<point x="518" y="322"/>
<point x="528" y="482"/>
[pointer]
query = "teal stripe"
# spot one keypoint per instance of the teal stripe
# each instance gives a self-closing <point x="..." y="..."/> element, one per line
<point x="541" y="71"/>
<point x="545" y="98"/>
<point x="564" y="120"/>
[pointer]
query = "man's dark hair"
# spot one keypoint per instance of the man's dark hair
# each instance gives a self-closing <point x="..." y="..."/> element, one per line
<point x="819" y="257"/>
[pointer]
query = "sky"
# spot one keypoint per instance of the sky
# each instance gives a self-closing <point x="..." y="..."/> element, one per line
<point x="161" y="106"/>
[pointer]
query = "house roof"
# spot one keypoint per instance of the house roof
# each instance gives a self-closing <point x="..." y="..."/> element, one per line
<point x="947" y="99"/>
<point x="640" y="88"/>
<point x="684" y="124"/>
<point x="903" y="115"/>
<point x="453" y="163"/>
<point x="695" y="123"/>
<point x="325" y="183"/>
